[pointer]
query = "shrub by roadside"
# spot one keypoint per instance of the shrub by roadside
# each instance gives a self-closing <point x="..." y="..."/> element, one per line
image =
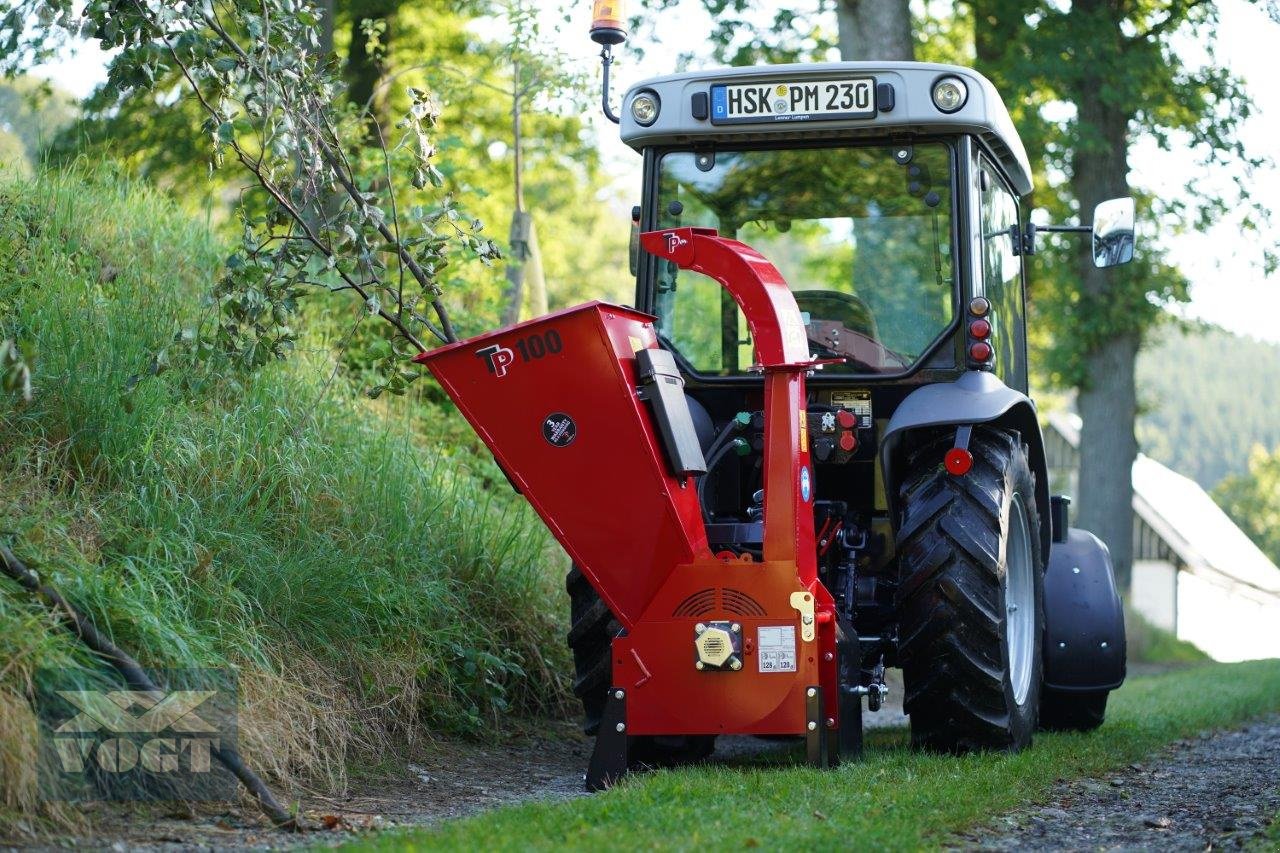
<point x="367" y="586"/>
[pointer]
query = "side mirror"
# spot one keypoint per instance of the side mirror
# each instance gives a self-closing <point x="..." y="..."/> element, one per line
<point x="1113" y="236"/>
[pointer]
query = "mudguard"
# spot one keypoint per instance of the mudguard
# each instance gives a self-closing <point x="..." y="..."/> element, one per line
<point x="977" y="397"/>
<point x="1084" y="644"/>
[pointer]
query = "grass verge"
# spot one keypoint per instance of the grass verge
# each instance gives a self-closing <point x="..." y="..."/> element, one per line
<point x="896" y="799"/>
<point x="368" y="589"/>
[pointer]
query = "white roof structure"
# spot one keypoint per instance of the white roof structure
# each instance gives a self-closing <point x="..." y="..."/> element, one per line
<point x="1204" y="538"/>
<point x="907" y="110"/>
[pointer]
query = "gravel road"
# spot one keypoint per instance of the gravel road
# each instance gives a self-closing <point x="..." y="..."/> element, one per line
<point x="1212" y="792"/>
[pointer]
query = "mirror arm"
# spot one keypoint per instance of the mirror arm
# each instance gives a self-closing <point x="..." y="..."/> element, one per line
<point x="1024" y="242"/>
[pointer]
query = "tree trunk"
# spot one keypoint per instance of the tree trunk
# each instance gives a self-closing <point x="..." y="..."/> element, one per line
<point x="1108" y="396"/>
<point x="535" y="280"/>
<point x="518" y="240"/>
<point x="366" y="66"/>
<point x="1108" y="447"/>
<point x="875" y="29"/>
<point x="326" y="9"/>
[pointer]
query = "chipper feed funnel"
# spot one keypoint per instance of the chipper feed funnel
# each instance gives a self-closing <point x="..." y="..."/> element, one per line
<point x="555" y="400"/>
<point x="587" y="416"/>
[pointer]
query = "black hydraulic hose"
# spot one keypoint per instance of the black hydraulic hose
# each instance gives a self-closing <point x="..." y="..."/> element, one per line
<point x="717" y="455"/>
<point x="722" y="437"/>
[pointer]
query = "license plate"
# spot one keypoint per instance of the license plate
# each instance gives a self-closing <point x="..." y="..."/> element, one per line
<point x="810" y="100"/>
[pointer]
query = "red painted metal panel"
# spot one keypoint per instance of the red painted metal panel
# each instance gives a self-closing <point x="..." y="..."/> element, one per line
<point x="606" y="494"/>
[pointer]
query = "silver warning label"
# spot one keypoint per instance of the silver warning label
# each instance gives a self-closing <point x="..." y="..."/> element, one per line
<point x="858" y="402"/>
<point x="776" y="648"/>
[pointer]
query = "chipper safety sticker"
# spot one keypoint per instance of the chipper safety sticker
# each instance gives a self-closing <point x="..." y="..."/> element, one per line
<point x="776" y="648"/>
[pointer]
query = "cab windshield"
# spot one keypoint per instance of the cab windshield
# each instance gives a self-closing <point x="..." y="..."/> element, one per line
<point x="861" y="234"/>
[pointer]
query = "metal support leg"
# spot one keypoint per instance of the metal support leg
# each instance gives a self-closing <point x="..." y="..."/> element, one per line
<point x="850" y="740"/>
<point x="609" y="758"/>
<point x="814" y="738"/>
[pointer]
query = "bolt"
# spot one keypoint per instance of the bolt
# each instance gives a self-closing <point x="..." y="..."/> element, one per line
<point x="1062" y="645"/>
<point x="811" y="692"/>
<point x="622" y="727"/>
<point x="735" y="628"/>
<point x="831" y="722"/>
<point x="828" y="657"/>
<point x="807" y="619"/>
<point x="902" y="154"/>
<point x="618" y="694"/>
<point x="1075" y="570"/>
<point x="700" y="665"/>
<point x="1013" y="608"/>
<point x="736" y="664"/>
<point x="699" y="628"/>
<point x="813" y="726"/>
<point x="1104" y="644"/>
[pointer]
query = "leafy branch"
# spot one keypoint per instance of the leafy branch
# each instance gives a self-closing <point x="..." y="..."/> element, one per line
<point x="320" y="219"/>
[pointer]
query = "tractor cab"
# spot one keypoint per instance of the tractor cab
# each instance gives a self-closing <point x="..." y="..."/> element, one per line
<point x="885" y="193"/>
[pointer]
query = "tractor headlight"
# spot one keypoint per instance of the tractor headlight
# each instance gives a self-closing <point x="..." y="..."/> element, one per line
<point x="644" y="108"/>
<point x="949" y="94"/>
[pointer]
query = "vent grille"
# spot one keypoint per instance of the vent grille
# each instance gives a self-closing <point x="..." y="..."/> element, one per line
<point x="703" y="601"/>
<point x="736" y="601"/>
<point x="730" y="601"/>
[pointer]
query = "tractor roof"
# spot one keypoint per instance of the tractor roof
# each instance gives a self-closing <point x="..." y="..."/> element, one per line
<point x="912" y="111"/>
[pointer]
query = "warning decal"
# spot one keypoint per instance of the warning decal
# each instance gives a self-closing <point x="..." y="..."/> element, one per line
<point x="776" y="647"/>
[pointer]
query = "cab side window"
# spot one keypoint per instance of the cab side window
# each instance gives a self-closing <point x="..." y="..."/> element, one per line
<point x="1002" y="276"/>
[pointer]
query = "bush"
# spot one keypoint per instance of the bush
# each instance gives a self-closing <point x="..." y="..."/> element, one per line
<point x="365" y="583"/>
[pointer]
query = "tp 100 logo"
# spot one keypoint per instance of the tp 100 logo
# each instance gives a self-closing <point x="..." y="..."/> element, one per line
<point x="499" y="358"/>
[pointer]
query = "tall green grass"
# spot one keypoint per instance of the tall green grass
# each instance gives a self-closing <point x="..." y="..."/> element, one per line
<point x="369" y="588"/>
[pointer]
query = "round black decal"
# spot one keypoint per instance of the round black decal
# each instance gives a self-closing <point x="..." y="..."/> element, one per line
<point x="559" y="429"/>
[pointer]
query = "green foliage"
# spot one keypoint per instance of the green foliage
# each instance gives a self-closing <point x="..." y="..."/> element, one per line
<point x="35" y="111"/>
<point x="13" y="156"/>
<point x="743" y="33"/>
<point x="377" y="582"/>
<point x="1208" y="396"/>
<point x="322" y="217"/>
<point x="1147" y="644"/>
<point x="1253" y="500"/>
<point x="896" y="798"/>
<point x="1053" y="55"/>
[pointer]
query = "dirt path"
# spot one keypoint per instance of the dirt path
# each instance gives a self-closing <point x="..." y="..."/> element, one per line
<point x="453" y="780"/>
<point x="1212" y="792"/>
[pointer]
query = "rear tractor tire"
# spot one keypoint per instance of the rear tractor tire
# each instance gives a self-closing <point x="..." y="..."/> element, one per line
<point x="971" y="599"/>
<point x="592" y="627"/>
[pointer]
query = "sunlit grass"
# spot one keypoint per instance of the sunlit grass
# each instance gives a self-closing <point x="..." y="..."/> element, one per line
<point x="369" y="587"/>
<point x="895" y="799"/>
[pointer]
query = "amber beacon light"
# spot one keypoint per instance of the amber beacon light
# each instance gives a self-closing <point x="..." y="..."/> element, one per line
<point x="606" y="22"/>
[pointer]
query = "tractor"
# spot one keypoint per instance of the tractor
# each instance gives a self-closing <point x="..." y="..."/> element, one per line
<point x="807" y="453"/>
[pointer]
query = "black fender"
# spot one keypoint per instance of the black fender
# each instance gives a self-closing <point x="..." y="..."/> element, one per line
<point x="1084" y="642"/>
<point x="977" y="397"/>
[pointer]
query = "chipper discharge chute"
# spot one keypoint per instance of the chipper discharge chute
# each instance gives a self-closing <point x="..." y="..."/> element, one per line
<point x="587" y="416"/>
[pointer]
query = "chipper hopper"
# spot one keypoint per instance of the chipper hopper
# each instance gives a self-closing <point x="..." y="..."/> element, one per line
<point x="584" y="410"/>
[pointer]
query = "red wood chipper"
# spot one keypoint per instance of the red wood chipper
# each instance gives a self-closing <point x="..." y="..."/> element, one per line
<point x="582" y="408"/>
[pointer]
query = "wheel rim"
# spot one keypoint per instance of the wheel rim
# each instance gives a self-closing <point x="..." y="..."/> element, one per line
<point x="1019" y="599"/>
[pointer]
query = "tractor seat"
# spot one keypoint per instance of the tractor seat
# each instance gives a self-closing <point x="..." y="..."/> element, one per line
<point x="844" y="308"/>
